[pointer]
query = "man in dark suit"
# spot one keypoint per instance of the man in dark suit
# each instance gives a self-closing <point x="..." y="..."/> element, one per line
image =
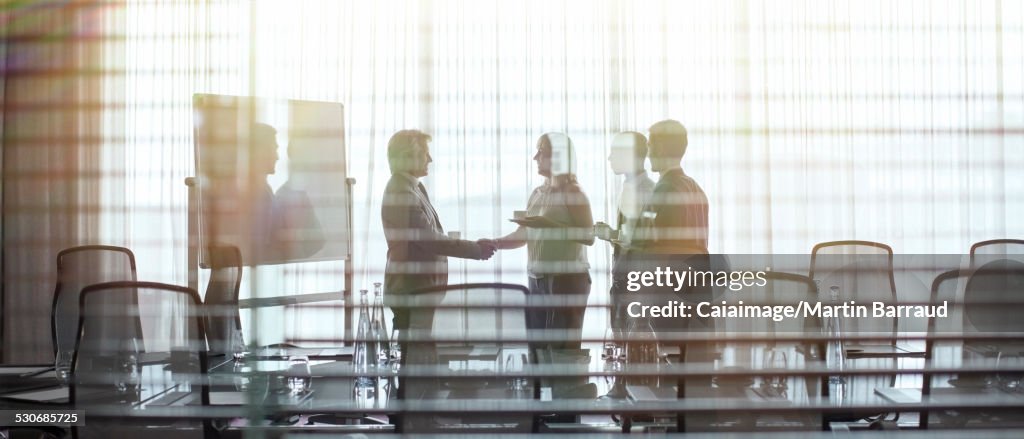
<point x="418" y="248"/>
<point x="676" y="217"/>
<point x="418" y="252"/>
<point x="673" y="231"/>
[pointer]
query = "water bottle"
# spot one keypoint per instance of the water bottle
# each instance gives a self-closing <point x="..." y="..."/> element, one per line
<point x="835" y="353"/>
<point x="379" y="328"/>
<point x="642" y="349"/>
<point x="395" y="359"/>
<point x="364" y="357"/>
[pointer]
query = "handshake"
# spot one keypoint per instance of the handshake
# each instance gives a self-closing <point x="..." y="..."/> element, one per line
<point x="487" y="248"/>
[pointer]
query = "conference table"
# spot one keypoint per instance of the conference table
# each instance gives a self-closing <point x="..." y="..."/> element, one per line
<point x="477" y="390"/>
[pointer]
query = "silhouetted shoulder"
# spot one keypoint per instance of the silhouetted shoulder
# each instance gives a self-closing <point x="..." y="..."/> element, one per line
<point x="569" y="188"/>
<point x="398" y="183"/>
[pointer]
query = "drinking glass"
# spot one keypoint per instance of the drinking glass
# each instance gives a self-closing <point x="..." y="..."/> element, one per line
<point x="775" y="360"/>
<point x="1009" y="380"/>
<point x="299" y="375"/>
<point x="608" y="351"/>
<point x="62" y="366"/>
<point x="128" y="370"/>
<point x="514" y="363"/>
<point x="242" y="376"/>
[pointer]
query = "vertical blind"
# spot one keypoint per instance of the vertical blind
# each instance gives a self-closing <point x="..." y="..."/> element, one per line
<point x="899" y="122"/>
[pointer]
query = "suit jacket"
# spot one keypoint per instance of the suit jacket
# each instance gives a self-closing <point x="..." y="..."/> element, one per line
<point x="676" y="217"/>
<point x="418" y="248"/>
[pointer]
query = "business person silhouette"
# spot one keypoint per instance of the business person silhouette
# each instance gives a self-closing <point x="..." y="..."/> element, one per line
<point x="296" y="227"/>
<point x="673" y="231"/>
<point x="418" y="248"/>
<point x="676" y="217"/>
<point x="627" y="157"/>
<point x="558" y="226"/>
<point x="257" y="197"/>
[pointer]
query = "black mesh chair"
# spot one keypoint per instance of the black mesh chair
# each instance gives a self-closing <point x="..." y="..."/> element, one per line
<point x="78" y="267"/>
<point x="141" y="345"/>
<point x="672" y="333"/>
<point x="220" y="304"/>
<point x="784" y="350"/>
<point x="996" y="249"/>
<point x="863" y="272"/>
<point x="456" y="329"/>
<point x="985" y="300"/>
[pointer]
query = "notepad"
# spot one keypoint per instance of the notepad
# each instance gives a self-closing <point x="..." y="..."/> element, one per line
<point x="899" y="396"/>
<point x="23" y="370"/>
<point x="647" y="393"/>
<point x="468" y="351"/>
<point x="333" y="352"/>
<point x="170" y="398"/>
<point x="52" y="395"/>
<point x="227" y="398"/>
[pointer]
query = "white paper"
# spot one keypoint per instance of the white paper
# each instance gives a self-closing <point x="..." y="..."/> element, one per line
<point x="227" y="398"/>
<point x="50" y="394"/>
<point x="22" y="370"/>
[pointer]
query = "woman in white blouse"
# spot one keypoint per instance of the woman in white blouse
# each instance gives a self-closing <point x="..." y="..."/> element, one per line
<point x="558" y="225"/>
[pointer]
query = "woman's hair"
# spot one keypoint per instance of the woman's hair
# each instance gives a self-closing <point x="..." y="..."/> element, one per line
<point x="563" y="154"/>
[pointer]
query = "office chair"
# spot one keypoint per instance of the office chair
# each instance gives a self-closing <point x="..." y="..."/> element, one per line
<point x="779" y="289"/>
<point x="464" y="324"/>
<point x="78" y="267"/>
<point x="139" y="342"/>
<point x="222" y="317"/>
<point x="995" y="249"/>
<point x="863" y="271"/>
<point x="988" y="299"/>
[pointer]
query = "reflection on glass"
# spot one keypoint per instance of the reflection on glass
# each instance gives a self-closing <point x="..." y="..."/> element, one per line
<point x="642" y="349"/>
<point x="299" y="376"/>
<point x="62" y="366"/>
<point x="514" y="363"/>
<point x="128" y="371"/>
<point x="835" y="355"/>
<point x="775" y="360"/>
<point x="1009" y="380"/>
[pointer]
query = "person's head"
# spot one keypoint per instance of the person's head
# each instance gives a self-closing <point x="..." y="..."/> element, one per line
<point x="264" y="150"/>
<point x="555" y="155"/>
<point x="409" y="152"/>
<point x="667" y="144"/>
<point x="629" y="149"/>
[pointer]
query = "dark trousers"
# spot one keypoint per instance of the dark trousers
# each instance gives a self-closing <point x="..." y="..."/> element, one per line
<point x="573" y="289"/>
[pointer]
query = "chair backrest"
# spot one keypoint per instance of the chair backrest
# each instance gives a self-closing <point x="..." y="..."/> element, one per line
<point x="863" y="271"/>
<point x="488" y="319"/>
<point x="77" y="268"/>
<point x="993" y="297"/>
<point x="995" y="249"/>
<point x="138" y="340"/>
<point x="220" y="304"/>
<point x="784" y="340"/>
<point x="987" y="299"/>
